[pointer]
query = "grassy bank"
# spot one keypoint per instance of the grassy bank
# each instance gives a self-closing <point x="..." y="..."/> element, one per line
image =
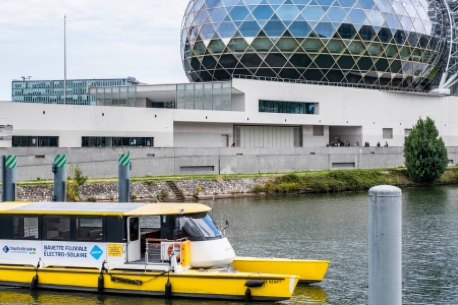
<point x="274" y="183"/>
<point x="346" y="180"/>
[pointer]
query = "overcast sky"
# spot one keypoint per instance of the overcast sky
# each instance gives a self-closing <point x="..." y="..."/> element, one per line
<point x="105" y="39"/>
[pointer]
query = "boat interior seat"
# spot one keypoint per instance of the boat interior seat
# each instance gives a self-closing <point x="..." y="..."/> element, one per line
<point x="50" y="234"/>
<point x="65" y="234"/>
<point x="96" y="234"/>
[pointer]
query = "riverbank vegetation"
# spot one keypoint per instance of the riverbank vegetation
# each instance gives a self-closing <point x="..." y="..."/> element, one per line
<point x="346" y="180"/>
<point x="215" y="186"/>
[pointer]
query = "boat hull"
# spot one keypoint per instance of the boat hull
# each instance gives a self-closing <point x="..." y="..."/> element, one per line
<point x="309" y="271"/>
<point x="213" y="283"/>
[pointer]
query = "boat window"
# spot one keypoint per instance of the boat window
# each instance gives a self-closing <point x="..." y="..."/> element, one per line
<point x="150" y="222"/>
<point x="25" y="227"/>
<point x="57" y="228"/>
<point x="89" y="228"/>
<point x="198" y="227"/>
<point x="133" y="228"/>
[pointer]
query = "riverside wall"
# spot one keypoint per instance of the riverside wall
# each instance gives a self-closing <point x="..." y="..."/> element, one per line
<point x="36" y="162"/>
<point x="147" y="191"/>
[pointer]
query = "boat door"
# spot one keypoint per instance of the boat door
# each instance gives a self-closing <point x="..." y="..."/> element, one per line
<point x="133" y="239"/>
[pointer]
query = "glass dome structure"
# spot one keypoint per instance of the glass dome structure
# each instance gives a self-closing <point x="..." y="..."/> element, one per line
<point x="386" y="43"/>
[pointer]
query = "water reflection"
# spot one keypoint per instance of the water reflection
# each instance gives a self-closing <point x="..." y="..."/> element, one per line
<point x="11" y="296"/>
<point x="331" y="226"/>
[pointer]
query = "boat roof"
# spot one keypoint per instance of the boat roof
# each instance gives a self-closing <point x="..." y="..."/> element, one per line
<point x="101" y="208"/>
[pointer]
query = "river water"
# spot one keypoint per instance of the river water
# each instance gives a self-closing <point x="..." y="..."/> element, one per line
<point x="330" y="226"/>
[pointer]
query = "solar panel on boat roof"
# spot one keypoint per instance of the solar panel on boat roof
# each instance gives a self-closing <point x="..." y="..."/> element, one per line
<point x="79" y="207"/>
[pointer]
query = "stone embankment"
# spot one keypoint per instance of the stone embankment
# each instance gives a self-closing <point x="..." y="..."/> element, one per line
<point x="148" y="191"/>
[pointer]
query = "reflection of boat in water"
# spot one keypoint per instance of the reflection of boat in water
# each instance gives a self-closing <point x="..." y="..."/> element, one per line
<point x="133" y="248"/>
<point x="308" y="294"/>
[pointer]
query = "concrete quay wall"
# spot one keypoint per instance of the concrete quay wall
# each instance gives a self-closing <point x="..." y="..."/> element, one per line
<point x="34" y="163"/>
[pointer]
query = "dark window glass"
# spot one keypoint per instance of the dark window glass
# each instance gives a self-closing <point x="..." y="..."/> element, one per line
<point x="25" y="227"/>
<point x="251" y="60"/>
<point x="56" y="228"/>
<point x="89" y="228"/>
<point x="275" y="60"/>
<point x="367" y="32"/>
<point x="133" y="228"/>
<point x="286" y="107"/>
<point x="347" y="31"/>
<point x="24" y="141"/>
<point x="385" y="35"/>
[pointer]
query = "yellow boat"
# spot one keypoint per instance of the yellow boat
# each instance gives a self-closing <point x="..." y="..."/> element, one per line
<point x="156" y="249"/>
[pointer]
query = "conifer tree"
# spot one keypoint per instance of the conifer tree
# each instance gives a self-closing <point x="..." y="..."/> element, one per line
<point x="425" y="155"/>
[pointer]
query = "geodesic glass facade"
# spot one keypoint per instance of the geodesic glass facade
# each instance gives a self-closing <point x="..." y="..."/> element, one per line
<point x="386" y="43"/>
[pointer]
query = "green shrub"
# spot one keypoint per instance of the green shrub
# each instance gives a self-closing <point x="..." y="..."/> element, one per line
<point x="269" y="186"/>
<point x="164" y="193"/>
<point x="257" y="188"/>
<point x="287" y="187"/>
<point x="74" y="184"/>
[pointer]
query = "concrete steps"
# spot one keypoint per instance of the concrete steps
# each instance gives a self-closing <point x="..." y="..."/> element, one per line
<point x="179" y="196"/>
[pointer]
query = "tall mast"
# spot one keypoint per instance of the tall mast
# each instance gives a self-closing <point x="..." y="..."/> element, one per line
<point x="65" y="60"/>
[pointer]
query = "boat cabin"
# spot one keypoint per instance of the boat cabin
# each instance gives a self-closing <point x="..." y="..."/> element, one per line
<point x="119" y="235"/>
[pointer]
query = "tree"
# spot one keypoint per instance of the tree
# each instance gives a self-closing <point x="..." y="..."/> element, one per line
<point x="424" y="152"/>
<point x="73" y="185"/>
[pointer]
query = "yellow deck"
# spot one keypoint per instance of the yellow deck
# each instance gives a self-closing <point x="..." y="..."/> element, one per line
<point x="309" y="271"/>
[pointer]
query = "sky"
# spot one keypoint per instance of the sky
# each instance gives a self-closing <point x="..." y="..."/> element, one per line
<point x="105" y="39"/>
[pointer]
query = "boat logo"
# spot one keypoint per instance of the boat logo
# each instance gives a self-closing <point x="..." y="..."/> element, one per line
<point x="96" y="252"/>
<point x="6" y="249"/>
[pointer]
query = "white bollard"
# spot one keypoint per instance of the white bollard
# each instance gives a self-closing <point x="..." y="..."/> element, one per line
<point x="385" y="245"/>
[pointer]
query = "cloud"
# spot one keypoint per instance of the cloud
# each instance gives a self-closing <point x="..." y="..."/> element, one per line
<point x="115" y="38"/>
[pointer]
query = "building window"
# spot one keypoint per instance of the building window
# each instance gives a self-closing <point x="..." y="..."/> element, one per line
<point x="57" y="228"/>
<point x="25" y="141"/>
<point x="116" y="141"/>
<point x="286" y="107"/>
<point x="297" y="136"/>
<point x="207" y="96"/>
<point x="318" y="131"/>
<point x="387" y="133"/>
<point x="237" y="136"/>
<point x="25" y="227"/>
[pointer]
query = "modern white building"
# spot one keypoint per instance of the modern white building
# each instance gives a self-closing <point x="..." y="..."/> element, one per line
<point x="275" y="73"/>
<point x="249" y="113"/>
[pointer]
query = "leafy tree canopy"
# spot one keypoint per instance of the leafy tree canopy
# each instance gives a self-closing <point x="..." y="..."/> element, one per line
<point x="424" y="152"/>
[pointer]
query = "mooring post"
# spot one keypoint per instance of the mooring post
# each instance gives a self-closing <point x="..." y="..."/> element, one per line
<point x="385" y="245"/>
<point x="124" y="176"/>
<point x="9" y="163"/>
<point x="59" y="168"/>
